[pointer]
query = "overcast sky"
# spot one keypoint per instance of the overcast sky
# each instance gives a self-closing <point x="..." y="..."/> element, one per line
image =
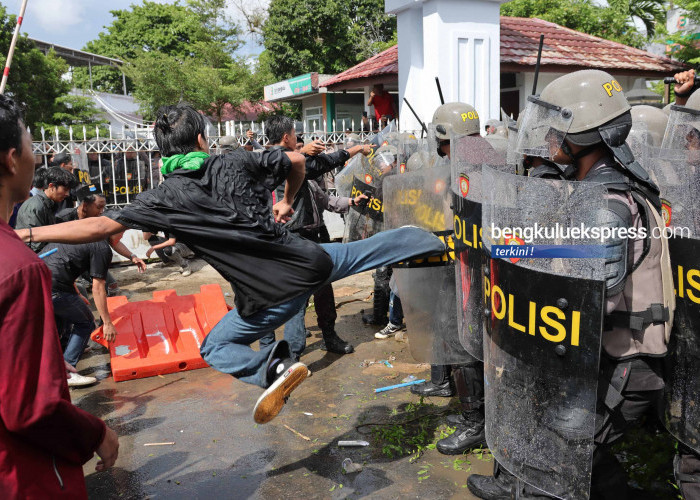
<point x="73" y="23"/>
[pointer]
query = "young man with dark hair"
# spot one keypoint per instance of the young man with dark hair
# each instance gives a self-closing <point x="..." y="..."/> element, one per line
<point x="309" y="205"/>
<point x="221" y="208"/>
<point x="39" y="210"/>
<point x="39" y="182"/>
<point x="64" y="161"/>
<point x="73" y="315"/>
<point x="44" y="439"/>
<point x="91" y="203"/>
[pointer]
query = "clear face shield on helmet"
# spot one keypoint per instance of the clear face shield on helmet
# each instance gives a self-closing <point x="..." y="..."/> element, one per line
<point x="383" y="163"/>
<point x="683" y="130"/>
<point x="408" y="144"/>
<point x="543" y="128"/>
<point x="512" y="156"/>
<point x="435" y="143"/>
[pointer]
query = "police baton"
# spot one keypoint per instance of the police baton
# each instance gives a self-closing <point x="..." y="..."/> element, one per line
<point x="425" y="129"/>
<point x="437" y="82"/>
<point x="669" y="80"/>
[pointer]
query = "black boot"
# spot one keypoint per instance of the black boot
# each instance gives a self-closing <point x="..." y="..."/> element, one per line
<point x="496" y="487"/>
<point x="380" y="306"/>
<point x="468" y="436"/>
<point x="455" y="420"/>
<point x="333" y="343"/>
<point x="429" y="389"/>
<point x="503" y="486"/>
<point x="439" y="384"/>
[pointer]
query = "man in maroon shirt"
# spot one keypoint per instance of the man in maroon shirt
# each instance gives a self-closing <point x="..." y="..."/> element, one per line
<point x="44" y="439"/>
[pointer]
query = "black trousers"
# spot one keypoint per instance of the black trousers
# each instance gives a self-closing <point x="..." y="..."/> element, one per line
<point x="641" y="387"/>
<point x="324" y="299"/>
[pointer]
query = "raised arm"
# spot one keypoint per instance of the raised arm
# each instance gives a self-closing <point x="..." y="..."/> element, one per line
<point x="283" y="208"/>
<point x="77" y="231"/>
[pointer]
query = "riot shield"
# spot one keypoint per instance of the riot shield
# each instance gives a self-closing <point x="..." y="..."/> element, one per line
<point x="426" y="287"/>
<point x="498" y="142"/>
<point x="683" y="129"/>
<point x="366" y="219"/>
<point x="351" y="140"/>
<point x="408" y="145"/>
<point x="544" y="320"/>
<point x="679" y="180"/>
<point x="383" y="138"/>
<point x="356" y="165"/>
<point x="80" y="162"/>
<point x="468" y="154"/>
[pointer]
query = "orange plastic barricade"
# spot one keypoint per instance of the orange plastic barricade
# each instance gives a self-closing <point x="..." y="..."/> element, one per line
<point x="161" y="335"/>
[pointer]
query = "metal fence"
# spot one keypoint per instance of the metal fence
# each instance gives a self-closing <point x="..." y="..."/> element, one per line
<point x="125" y="163"/>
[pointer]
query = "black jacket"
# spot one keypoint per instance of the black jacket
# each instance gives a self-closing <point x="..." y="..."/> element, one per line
<point x="223" y="213"/>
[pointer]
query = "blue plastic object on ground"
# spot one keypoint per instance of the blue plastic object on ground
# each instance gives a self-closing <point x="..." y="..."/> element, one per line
<point x="390" y="387"/>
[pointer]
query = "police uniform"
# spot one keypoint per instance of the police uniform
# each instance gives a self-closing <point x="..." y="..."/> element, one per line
<point x="465" y="379"/>
<point x="639" y="289"/>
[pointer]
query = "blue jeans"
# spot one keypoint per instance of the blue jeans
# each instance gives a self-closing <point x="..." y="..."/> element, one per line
<point x="294" y="334"/>
<point x="227" y="347"/>
<point x="76" y="322"/>
<point x="395" y="309"/>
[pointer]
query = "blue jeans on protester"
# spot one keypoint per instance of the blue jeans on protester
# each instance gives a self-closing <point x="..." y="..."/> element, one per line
<point x="395" y="309"/>
<point x="294" y="334"/>
<point x="76" y="322"/>
<point x="227" y="347"/>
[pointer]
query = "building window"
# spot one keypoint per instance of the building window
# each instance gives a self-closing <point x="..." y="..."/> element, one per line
<point x="313" y="119"/>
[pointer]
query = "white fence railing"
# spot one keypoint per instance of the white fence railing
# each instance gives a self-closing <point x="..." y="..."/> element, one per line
<point x="126" y="162"/>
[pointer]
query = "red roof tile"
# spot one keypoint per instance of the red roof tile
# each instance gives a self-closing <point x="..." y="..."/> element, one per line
<point x="520" y="38"/>
<point x="247" y="111"/>
<point x="384" y="63"/>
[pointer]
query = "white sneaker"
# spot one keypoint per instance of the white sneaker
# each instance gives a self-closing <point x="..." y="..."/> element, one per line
<point x="389" y="330"/>
<point x="77" y="380"/>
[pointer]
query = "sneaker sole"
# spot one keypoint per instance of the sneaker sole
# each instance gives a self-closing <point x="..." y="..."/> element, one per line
<point x="383" y="337"/>
<point x="271" y="402"/>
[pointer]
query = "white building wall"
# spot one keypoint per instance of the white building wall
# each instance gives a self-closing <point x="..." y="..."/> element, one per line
<point x="455" y="40"/>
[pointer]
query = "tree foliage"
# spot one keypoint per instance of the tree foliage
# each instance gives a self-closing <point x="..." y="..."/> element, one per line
<point x="182" y="31"/>
<point x="35" y="79"/>
<point x="174" y="52"/>
<point x="613" y="22"/>
<point x="160" y="79"/>
<point x="77" y="112"/>
<point x="325" y="36"/>
<point x="686" y="44"/>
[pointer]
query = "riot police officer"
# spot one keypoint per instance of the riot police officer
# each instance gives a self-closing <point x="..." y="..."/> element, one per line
<point x="467" y="378"/>
<point x="582" y="119"/>
<point x="676" y="169"/>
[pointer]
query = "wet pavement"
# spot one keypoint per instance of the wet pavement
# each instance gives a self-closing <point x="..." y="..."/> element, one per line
<point x="219" y="452"/>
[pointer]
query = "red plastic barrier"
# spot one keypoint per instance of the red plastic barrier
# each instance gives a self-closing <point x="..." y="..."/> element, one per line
<point x="161" y="335"/>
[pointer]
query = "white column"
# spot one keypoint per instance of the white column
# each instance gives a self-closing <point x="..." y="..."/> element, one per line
<point x="455" y="40"/>
<point x="411" y="84"/>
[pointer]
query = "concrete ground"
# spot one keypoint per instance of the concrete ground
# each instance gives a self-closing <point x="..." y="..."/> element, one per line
<point x="219" y="452"/>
